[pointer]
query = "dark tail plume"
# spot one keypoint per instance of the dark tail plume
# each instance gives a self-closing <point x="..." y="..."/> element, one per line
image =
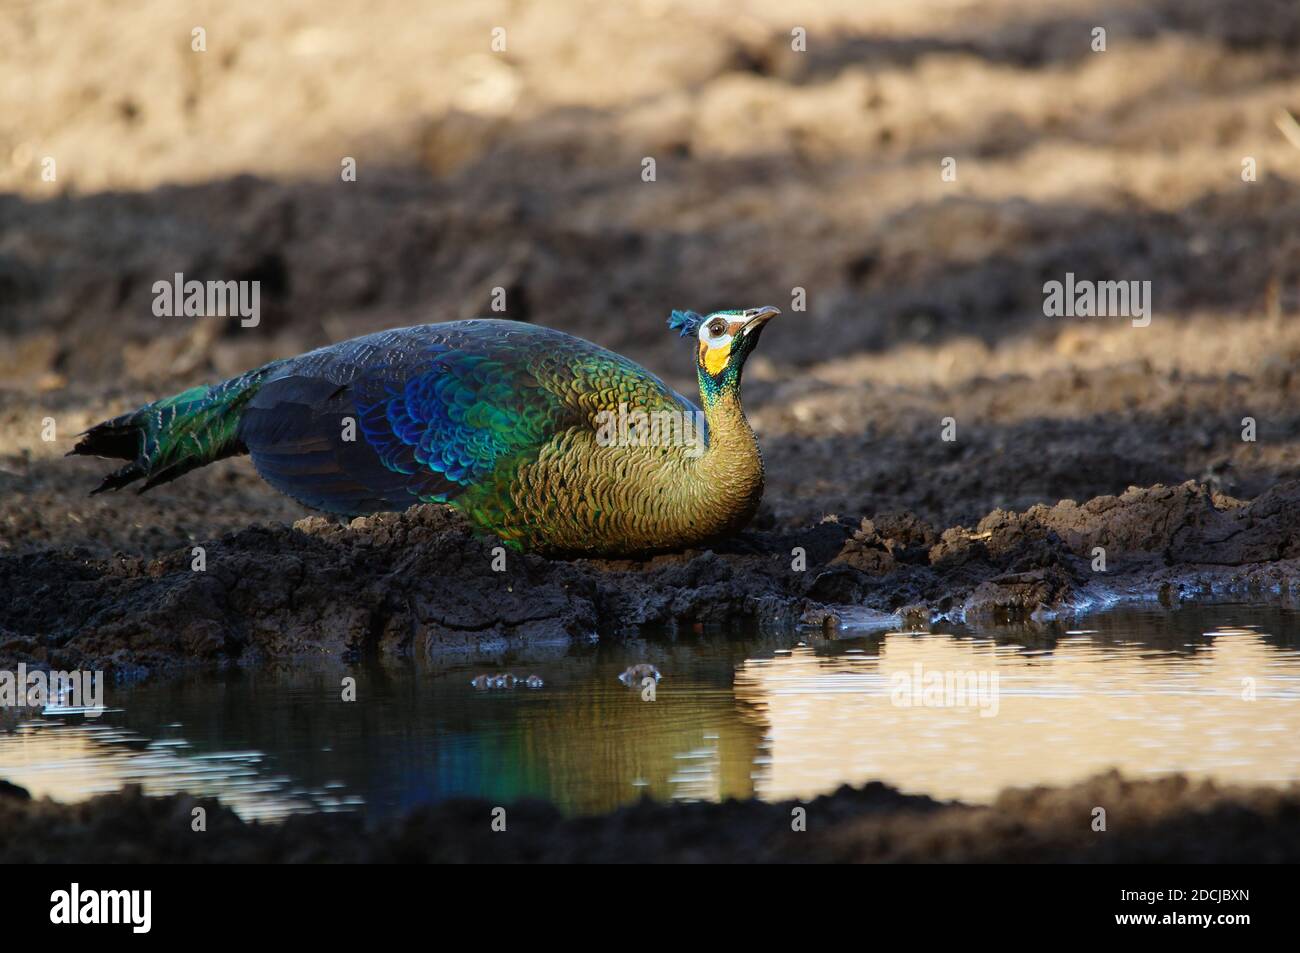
<point x="172" y="436"/>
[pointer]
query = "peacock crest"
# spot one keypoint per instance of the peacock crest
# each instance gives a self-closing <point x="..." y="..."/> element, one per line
<point x="687" y="322"/>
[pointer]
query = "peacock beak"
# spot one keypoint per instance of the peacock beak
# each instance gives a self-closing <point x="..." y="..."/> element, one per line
<point x="755" y="318"/>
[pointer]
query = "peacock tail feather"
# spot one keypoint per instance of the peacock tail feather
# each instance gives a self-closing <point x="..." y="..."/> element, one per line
<point x="170" y="437"/>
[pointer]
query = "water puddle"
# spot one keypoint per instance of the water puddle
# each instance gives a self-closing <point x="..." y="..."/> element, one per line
<point x="958" y="713"/>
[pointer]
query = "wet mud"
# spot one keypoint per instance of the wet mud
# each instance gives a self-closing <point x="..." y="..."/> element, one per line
<point x="1169" y="820"/>
<point x="422" y="583"/>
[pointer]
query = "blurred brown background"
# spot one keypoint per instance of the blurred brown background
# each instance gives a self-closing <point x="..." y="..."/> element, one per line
<point x="776" y="169"/>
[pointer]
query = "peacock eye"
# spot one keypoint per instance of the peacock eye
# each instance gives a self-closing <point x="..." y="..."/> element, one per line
<point x="717" y="328"/>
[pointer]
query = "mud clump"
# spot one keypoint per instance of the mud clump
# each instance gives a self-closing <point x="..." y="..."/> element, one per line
<point x="422" y="583"/>
<point x="1169" y="820"/>
<point x="413" y="583"/>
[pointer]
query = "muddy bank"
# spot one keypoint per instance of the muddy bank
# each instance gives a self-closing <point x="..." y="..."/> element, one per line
<point x="1170" y="820"/>
<point x="781" y="176"/>
<point x="778" y="172"/>
<point x="422" y="583"/>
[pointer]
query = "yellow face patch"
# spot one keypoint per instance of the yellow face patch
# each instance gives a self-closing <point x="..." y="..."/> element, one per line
<point x="715" y="358"/>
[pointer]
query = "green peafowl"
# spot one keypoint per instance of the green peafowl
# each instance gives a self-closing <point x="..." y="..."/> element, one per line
<point x="539" y="437"/>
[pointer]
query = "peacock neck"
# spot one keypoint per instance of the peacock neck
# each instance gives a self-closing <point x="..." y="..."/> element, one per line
<point x="730" y="471"/>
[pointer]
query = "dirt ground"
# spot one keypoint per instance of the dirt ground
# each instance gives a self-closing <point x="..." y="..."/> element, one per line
<point x="420" y="583"/>
<point x="776" y="171"/>
<point x="1168" y="820"/>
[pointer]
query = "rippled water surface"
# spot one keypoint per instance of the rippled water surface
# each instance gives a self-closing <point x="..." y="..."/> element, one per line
<point x="955" y="713"/>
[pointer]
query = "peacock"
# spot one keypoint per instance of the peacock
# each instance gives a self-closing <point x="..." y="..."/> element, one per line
<point x="545" y="440"/>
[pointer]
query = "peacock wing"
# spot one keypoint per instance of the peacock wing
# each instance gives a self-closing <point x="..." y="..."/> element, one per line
<point x="424" y="413"/>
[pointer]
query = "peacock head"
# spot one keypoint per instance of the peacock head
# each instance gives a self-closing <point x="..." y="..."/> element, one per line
<point x="724" y="340"/>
